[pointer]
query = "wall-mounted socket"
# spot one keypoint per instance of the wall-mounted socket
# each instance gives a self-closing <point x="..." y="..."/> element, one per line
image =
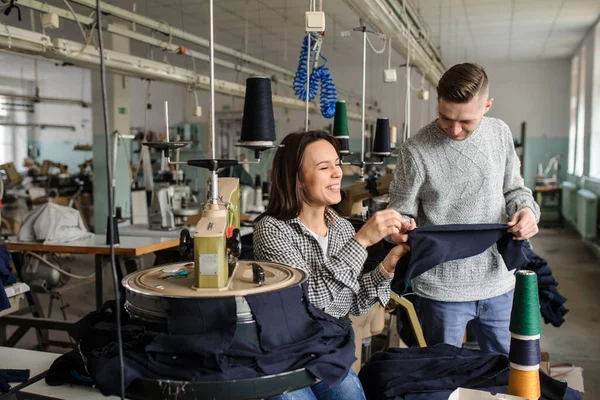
<point x="50" y="21"/>
<point x="389" y="75"/>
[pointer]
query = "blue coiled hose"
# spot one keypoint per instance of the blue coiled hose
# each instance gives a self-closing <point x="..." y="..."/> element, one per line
<point x="318" y="75"/>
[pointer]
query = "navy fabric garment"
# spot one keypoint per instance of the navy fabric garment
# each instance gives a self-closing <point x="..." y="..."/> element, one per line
<point x="551" y="301"/>
<point x="68" y="368"/>
<point x="433" y="245"/>
<point x="292" y="334"/>
<point x="12" y="375"/>
<point x="432" y="373"/>
<point x="6" y="276"/>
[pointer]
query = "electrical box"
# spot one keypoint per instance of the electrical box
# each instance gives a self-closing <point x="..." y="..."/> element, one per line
<point x="423" y="94"/>
<point x="50" y="21"/>
<point x="389" y="75"/>
<point x="197" y="111"/>
<point x="315" y="21"/>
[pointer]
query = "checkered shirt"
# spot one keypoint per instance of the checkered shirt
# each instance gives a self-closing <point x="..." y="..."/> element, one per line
<point x="335" y="284"/>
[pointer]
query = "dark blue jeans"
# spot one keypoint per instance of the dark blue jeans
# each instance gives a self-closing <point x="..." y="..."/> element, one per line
<point x="349" y="389"/>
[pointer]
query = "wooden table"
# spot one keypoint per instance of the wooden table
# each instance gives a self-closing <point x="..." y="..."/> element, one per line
<point x="542" y="192"/>
<point x="128" y="250"/>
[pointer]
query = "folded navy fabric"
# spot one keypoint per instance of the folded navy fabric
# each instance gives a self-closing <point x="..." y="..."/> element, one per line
<point x="433" y="245"/>
<point x="6" y="276"/>
<point x="432" y="373"/>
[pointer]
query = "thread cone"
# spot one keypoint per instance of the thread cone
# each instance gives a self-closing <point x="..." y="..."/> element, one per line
<point x="525" y="316"/>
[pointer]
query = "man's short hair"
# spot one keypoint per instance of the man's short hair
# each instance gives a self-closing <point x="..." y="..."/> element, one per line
<point x="462" y="82"/>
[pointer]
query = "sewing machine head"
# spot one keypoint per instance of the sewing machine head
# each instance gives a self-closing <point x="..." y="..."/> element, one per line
<point x="354" y="195"/>
<point x="171" y="206"/>
<point x="216" y="242"/>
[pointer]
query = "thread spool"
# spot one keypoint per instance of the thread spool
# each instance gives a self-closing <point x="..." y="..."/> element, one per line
<point x="525" y="314"/>
<point x="381" y="144"/>
<point x="340" y="126"/>
<point x="525" y="384"/>
<point x="525" y="328"/>
<point x="393" y="136"/>
<point x="258" y="123"/>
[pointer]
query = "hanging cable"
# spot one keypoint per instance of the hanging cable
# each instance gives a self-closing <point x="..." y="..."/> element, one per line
<point x="56" y="267"/>
<point x="111" y="200"/>
<point x="385" y="39"/>
<point x="389" y="53"/>
<point x="319" y="75"/>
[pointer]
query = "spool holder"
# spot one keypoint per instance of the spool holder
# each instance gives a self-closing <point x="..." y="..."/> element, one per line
<point x="362" y="163"/>
<point x="258" y="150"/>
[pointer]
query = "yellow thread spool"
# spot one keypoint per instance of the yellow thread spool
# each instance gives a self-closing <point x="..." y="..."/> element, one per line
<point x="524" y="383"/>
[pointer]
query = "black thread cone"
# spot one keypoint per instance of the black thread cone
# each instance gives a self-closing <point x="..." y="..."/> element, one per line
<point x="258" y="123"/>
<point x="381" y="145"/>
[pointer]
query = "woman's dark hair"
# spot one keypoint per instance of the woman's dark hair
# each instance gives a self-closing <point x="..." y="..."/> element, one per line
<point x="286" y="197"/>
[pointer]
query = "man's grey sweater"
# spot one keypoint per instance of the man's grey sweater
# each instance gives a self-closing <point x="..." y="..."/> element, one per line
<point x="440" y="181"/>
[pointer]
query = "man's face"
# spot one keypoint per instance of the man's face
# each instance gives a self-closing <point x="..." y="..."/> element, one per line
<point x="459" y="120"/>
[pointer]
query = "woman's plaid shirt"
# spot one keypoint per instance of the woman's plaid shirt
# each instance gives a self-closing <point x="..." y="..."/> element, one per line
<point x="335" y="284"/>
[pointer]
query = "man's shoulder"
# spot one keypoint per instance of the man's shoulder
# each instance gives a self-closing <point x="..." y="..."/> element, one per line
<point x="423" y="138"/>
<point x="496" y="123"/>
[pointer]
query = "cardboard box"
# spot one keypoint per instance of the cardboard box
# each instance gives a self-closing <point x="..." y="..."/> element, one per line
<point x="569" y="373"/>
<point x="470" y="394"/>
<point x="545" y="364"/>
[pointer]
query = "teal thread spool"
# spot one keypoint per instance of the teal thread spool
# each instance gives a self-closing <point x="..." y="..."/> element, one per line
<point x="525" y="315"/>
<point x="340" y="126"/>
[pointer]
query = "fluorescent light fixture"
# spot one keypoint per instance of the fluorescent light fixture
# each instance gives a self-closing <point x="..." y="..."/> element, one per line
<point x="23" y="41"/>
<point x="126" y="64"/>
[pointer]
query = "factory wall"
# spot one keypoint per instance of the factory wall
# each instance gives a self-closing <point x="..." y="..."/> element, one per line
<point x="535" y="92"/>
<point x="17" y="76"/>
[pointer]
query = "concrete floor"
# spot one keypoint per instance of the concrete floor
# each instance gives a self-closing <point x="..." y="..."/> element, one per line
<point x="577" y="269"/>
<point x="574" y="265"/>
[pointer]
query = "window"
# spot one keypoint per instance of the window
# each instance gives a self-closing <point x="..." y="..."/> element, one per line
<point x="573" y="113"/>
<point x="595" y="128"/>
<point x="6" y="142"/>
<point x="579" y="141"/>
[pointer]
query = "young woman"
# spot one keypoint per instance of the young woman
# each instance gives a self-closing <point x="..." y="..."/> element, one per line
<point x="299" y="229"/>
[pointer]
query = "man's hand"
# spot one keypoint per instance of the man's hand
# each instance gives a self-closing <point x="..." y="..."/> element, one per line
<point x="523" y="224"/>
<point x="402" y="237"/>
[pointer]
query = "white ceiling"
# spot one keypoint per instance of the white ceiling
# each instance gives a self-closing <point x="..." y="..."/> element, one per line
<point x="482" y="30"/>
<point x="269" y="23"/>
<point x="508" y="30"/>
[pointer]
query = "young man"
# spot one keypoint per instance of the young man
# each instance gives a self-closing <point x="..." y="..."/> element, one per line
<point x="462" y="169"/>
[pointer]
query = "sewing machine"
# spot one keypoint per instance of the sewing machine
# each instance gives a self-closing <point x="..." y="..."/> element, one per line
<point x="171" y="206"/>
<point x="47" y="164"/>
<point x="12" y="175"/>
<point x="217" y="240"/>
<point x="354" y="195"/>
<point x="86" y="167"/>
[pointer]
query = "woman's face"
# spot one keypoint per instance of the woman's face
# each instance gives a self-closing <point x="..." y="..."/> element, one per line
<point x="321" y="174"/>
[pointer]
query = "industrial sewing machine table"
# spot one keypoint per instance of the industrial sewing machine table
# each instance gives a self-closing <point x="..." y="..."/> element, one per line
<point x="128" y="251"/>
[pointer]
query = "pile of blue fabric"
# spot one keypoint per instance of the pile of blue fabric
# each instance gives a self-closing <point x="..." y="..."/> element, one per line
<point x="6" y="276"/>
<point x="551" y="301"/>
<point x="199" y="343"/>
<point x="432" y="373"/>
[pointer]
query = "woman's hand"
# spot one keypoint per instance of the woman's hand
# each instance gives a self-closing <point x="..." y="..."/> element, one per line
<point x="403" y="237"/>
<point x="381" y="224"/>
<point x="390" y="261"/>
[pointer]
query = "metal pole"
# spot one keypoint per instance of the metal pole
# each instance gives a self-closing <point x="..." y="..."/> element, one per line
<point x="307" y="84"/>
<point x="211" y="53"/>
<point x="362" y="114"/>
